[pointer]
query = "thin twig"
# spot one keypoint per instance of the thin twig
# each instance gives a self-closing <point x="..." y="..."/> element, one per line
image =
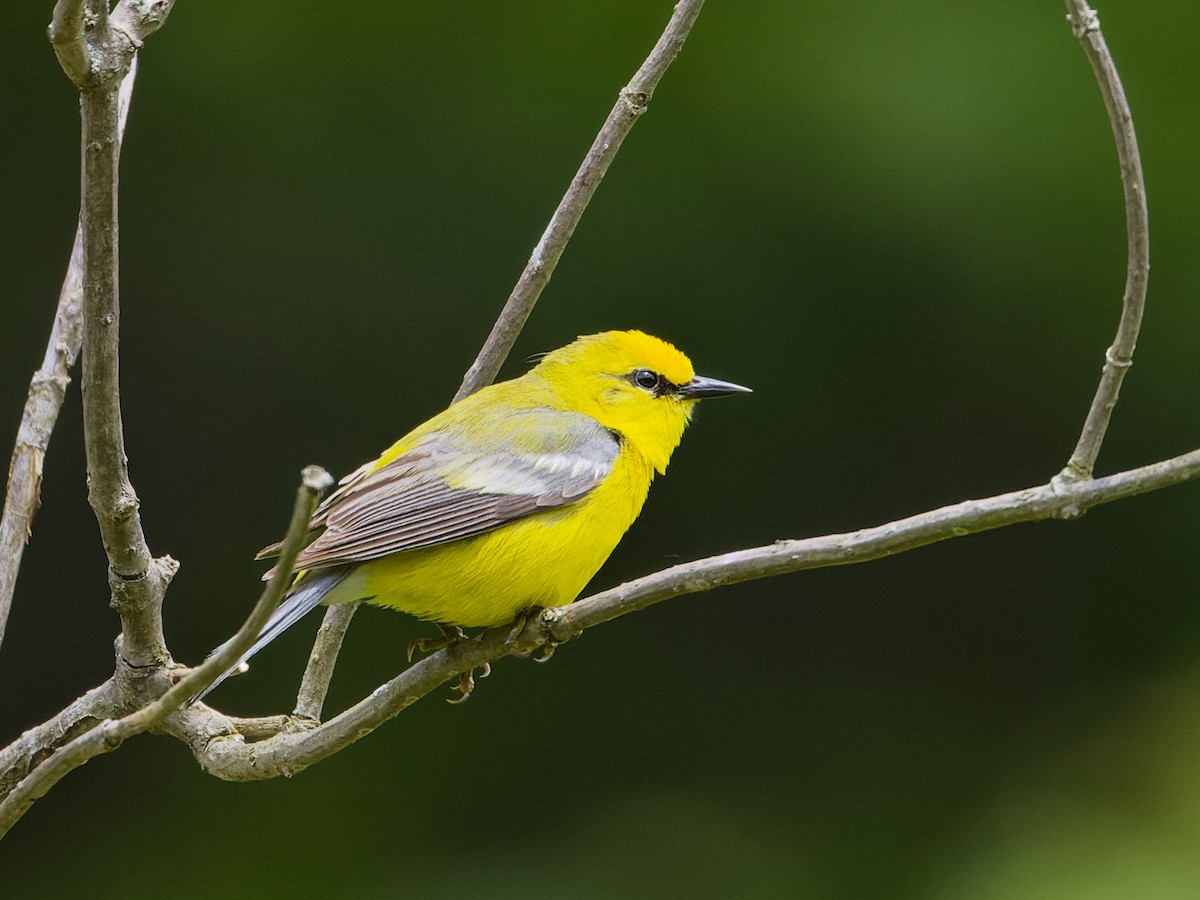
<point x="1057" y="500"/>
<point x="47" y="390"/>
<point x="110" y="734"/>
<point x="631" y="103"/>
<point x="321" y="661"/>
<point x="1119" y="357"/>
<point x="230" y="757"/>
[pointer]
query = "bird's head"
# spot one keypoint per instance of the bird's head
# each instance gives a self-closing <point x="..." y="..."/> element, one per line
<point x="632" y="383"/>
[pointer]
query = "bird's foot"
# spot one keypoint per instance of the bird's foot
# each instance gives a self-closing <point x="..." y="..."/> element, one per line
<point x="466" y="683"/>
<point x="548" y="645"/>
<point x="451" y="634"/>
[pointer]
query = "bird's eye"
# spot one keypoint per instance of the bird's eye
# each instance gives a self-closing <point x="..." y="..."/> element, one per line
<point x="644" y="378"/>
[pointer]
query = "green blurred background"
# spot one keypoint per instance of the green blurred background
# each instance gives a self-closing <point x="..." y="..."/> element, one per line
<point x="900" y="223"/>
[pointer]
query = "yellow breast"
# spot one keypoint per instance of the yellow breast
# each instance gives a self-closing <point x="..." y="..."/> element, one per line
<point x="545" y="559"/>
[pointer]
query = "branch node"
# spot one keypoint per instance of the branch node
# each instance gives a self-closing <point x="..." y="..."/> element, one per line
<point x="1120" y="362"/>
<point x="1088" y="23"/>
<point x="635" y="101"/>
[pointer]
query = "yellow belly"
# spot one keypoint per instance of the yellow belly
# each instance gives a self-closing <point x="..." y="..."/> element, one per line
<point x="545" y="559"/>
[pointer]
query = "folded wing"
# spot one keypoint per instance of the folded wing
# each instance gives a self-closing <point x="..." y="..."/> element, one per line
<point x="447" y="487"/>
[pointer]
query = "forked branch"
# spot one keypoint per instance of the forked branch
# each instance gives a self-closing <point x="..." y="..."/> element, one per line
<point x="108" y="735"/>
<point x="246" y="749"/>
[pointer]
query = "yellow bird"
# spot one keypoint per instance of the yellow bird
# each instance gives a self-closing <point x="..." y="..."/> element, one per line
<point x="509" y="500"/>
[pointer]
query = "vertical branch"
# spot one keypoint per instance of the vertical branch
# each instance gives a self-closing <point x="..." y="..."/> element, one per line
<point x="631" y="103"/>
<point x="109" y="490"/>
<point x="137" y="582"/>
<point x="47" y="391"/>
<point x="98" y="52"/>
<point x="1119" y="357"/>
<point x="321" y="661"/>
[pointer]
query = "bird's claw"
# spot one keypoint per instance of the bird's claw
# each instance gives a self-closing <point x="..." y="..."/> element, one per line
<point x="451" y="634"/>
<point x="548" y="649"/>
<point x="466" y="683"/>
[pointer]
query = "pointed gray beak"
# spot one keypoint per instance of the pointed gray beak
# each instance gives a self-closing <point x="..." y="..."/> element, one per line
<point x="701" y="387"/>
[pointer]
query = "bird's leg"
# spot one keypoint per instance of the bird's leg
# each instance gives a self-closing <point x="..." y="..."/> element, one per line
<point x="451" y="634"/>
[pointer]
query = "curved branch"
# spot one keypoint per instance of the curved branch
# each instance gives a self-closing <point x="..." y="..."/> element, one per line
<point x="1119" y="357"/>
<point x="108" y="735"/>
<point x="631" y="103"/>
<point x="69" y="40"/>
<point x="228" y="755"/>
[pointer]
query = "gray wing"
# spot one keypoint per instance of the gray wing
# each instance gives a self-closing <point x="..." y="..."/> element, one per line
<point x="447" y="488"/>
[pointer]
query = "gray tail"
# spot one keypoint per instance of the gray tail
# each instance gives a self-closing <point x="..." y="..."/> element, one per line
<point x="295" y="605"/>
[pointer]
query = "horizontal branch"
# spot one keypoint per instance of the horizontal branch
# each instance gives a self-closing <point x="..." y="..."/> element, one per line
<point x="1051" y="501"/>
<point x="228" y="754"/>
<point x="631" y="103"/>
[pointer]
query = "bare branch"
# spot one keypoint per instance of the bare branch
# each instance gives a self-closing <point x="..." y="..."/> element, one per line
<point x="138" y="19"/>
<point x="109" y="490"/>
<point x="99" y="55"/>
<point x="111" y="733"/>
<point x="322" y="660"/>
<point x="1051" y="501"/>
<point x="1119" y="357"/>
<point x="631" y="103"/>
<point x="228" y="755"/>
<point x="46" y="393"/>
<point x="67" y="37"/>
<point x="20" y="757"/>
